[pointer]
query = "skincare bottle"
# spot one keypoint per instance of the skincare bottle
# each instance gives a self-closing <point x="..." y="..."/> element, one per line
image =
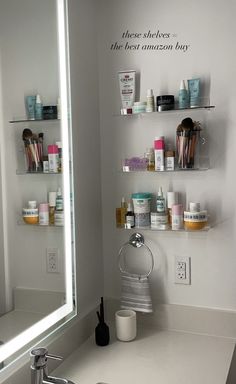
<point x="129" y="222"/>
<point x="161" y="202"/>
<point x="123" y="211"/>
<point x="183" y="96"/>
<point x="150" y="101"/>
<point x="38" y="108"/>
<point x="59" y="200"/>
<point x="177" y="217"/>
<point x="159" y="149"/>
<point x="150" y="156"/>
<point x="52" y="207"/>
<point x="59" y="108"/>
<point x="43" y="214"/>
<point x="53" y="158"/>
<point x="59" y="146"/>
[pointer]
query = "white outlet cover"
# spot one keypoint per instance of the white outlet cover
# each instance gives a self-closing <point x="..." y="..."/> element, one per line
<point x="182" y="270"/>
<point x="52" y="260"/>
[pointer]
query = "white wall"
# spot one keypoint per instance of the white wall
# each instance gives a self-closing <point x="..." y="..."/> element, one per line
<point x="86" y="147"/>
<point x="209" y="29"/>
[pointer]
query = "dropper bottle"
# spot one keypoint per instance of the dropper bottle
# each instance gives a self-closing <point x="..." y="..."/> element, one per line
<point x="129" y="217"/>
<point x="161" y="202"/>
<point x="123" y="211"/>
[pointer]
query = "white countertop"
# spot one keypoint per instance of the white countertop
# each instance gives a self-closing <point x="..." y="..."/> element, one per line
<point x="156" y="356"/>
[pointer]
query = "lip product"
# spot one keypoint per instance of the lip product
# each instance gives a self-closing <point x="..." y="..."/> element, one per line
<point x="194" y="92"/>
<point x="159" y="149"/>
<point x="127" y="88"/>
<point x="165" y="103"/>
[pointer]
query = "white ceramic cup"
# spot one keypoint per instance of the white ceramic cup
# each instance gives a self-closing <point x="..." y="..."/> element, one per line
<point x="126" y="325"/>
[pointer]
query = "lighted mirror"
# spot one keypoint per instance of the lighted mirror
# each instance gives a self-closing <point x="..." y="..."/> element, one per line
<point x="36" y="180"/>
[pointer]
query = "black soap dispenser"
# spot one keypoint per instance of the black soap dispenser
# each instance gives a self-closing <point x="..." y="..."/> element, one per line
<point x="102" y="336"/>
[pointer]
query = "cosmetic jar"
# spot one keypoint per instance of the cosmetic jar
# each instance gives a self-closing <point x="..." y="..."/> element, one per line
<point x="195" y="220"/>
<point x="159" y="220"/>
<point x="141" y="203"/>
<point x="30" y="215"/>
<point x="139" y="107"/>
<point x="165" y="102"/>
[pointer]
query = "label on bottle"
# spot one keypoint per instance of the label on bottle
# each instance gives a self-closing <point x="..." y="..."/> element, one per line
<point x="161" y="207"/>
<point x="129" y="221"/>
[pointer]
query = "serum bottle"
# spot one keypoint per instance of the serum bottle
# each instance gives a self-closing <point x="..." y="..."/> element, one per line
<point x="129" y="217"/>
<point x="161" y="202"/>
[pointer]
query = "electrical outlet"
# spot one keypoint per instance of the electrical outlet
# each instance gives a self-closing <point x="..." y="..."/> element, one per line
<point x="182" y="270"/>
<point x="52" y="260"/>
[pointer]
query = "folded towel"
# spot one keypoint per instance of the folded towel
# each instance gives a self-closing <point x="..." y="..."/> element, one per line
<point x="135" y="293"/>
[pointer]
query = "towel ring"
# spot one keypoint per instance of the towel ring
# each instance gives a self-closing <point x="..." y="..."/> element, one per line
<point x="137" y="241"/>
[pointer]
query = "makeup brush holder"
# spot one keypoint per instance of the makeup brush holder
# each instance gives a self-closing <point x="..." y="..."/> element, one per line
<point x="188" y="148"/>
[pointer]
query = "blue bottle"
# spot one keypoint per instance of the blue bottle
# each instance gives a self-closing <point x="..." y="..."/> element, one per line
<point x="38" y="108"/>
<point x="183" y="96"/>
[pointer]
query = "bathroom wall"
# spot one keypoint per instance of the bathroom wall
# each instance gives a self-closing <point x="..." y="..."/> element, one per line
<point x="205" y="31"/>
<point x="86" y="149"/>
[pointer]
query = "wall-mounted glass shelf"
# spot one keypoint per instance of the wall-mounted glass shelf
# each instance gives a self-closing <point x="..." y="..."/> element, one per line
<point x="126" y="170"/>
<point x="25" y="120"/>
<point x="206" y="229"/>
<point x="176" y="109"/>
<point x="23" y="172"/>
<point x="21" y="222"/>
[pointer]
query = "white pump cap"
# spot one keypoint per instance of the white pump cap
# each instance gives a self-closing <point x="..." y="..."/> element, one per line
<point x="38" y="99"/>
<point x="182" y="85"/>
<point x="149" y="92"/>
<point x="160" y="193"/>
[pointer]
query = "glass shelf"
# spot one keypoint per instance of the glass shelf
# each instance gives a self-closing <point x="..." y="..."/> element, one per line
<point x="206" y="229"/>
<point x="25" y="120"/>
<point x="23" y="172"/>
<point x="176" y="109"/>
<point x="200" y="169"/>
<point x="22" y="223"/>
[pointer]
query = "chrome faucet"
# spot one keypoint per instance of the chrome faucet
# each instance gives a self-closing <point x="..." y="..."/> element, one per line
<point x="39" y="368"/>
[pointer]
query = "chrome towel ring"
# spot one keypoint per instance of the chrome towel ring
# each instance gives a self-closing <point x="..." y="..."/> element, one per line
<point x="137" y="241"/>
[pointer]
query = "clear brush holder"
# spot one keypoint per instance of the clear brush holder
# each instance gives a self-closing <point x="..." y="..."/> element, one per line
<point x="189" y="149"/>
<point x="33" y="156"/>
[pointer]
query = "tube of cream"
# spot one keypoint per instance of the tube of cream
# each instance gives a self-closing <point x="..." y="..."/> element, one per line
<point x="127" y="88"/>
<point x="194" y="92"/>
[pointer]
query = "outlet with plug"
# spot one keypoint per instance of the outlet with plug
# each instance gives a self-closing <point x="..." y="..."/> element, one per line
<point x="182" y="270"/>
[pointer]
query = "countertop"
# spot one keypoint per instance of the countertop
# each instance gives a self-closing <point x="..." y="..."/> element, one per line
<point x="155" y="356"/>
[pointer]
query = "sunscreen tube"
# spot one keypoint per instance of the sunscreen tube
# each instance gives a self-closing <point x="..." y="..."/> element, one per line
<point x="194" y="92"/>
<point x="127" y="88"/>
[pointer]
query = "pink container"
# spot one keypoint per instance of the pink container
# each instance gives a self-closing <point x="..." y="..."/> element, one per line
<point x="43" y="214"/>
<point x="53" y="149"/>
<point x="177" y="217"/>
<point x="159" y="143"/>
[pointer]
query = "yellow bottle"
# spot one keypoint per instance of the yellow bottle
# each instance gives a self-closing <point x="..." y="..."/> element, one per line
<point x="123" y="211"/>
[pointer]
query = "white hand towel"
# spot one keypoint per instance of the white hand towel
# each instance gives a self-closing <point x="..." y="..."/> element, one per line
<point x="135" y="293"/>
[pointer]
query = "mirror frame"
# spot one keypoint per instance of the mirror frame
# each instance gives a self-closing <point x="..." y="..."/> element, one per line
<point x="54" y="320"/>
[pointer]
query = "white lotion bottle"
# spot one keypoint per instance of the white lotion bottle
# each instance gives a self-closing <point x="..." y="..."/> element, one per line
<point x="150" y="101"/>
